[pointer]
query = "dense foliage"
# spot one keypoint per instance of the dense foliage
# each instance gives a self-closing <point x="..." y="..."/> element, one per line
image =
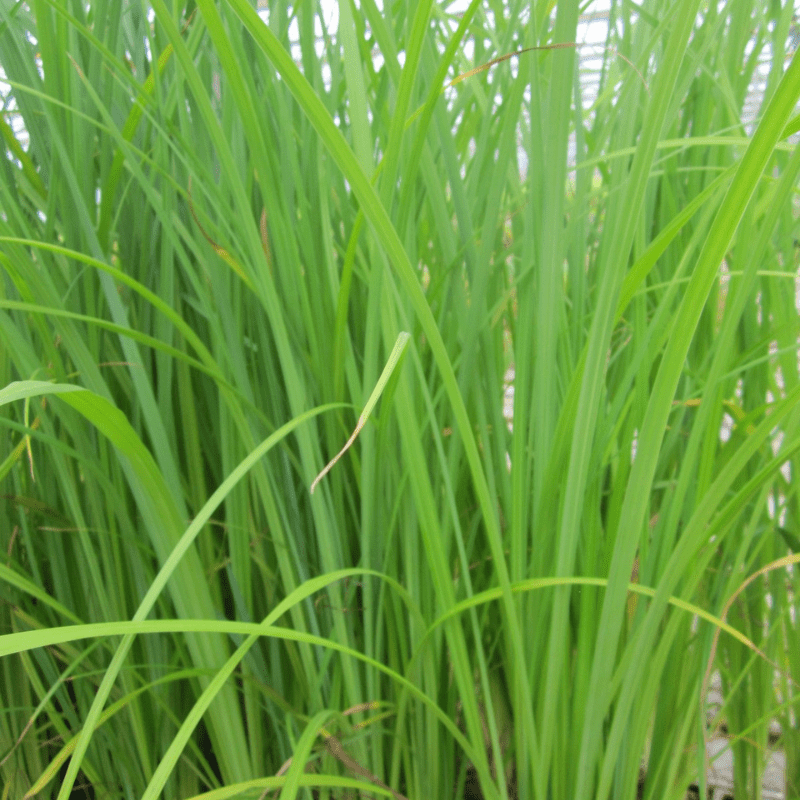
<point x="213" y="226"/>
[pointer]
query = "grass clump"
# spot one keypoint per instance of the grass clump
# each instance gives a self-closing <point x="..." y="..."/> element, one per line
<point x="215" y="225"/>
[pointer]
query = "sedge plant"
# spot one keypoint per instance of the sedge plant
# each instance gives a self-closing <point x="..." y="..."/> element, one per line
<point x="231" y="236"/>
